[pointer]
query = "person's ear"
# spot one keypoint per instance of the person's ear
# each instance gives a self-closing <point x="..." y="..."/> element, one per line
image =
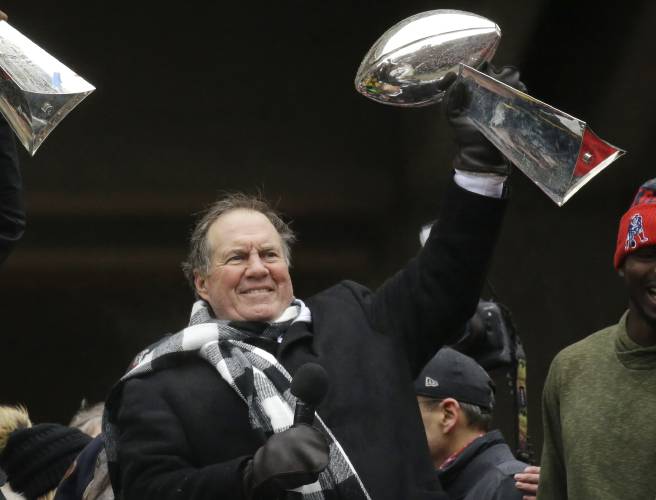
<point x="200" y="283"/>
<point x="450" y="414"/>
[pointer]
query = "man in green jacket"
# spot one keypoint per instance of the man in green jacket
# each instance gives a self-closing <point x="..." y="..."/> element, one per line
<point x="599" y="400"/>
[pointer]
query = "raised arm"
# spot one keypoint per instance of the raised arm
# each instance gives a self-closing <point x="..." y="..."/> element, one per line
<point x="435" y="294"/>
<point x="429" y="300"/>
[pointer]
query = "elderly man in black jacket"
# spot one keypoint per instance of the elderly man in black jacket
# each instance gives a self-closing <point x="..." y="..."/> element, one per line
<point x="207" y="413"/>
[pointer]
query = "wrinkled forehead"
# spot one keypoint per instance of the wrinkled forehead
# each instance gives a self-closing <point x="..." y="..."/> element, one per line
<point x="241" y="228"/>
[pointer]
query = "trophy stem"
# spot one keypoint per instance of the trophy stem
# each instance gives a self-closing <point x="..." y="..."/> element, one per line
<point x="36" y="90"/>
<point x="558" y="152"/>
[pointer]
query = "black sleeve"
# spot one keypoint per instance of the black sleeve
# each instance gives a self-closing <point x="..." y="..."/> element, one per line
<point x="12" y="214"/>
<point x="507" y="490"/>
<point x="157" y="462"/>
<point x="429" y="301"/>
<point x="493" y="485"/>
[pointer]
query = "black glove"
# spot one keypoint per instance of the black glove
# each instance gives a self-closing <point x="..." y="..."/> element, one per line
<point x="475" y="153"/>
<point x="287" y="460"/>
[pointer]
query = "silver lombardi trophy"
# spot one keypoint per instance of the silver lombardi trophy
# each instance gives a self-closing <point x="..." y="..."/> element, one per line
<point x="36" y="90"/>
<point x="406" y="67"/>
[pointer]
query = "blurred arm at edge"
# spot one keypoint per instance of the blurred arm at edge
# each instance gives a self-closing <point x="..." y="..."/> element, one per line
<point x="12" y="211"/>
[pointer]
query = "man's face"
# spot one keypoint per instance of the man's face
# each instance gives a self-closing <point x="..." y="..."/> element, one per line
<point x="639" y="273"/>
<point x="431" y="416"/>
<point x="249" y="276"/>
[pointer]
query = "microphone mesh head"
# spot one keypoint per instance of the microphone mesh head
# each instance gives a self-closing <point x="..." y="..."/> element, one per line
<point x="310" y="383"/>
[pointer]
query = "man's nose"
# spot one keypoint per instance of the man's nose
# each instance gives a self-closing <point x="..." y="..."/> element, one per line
<point x="256" y="267"/>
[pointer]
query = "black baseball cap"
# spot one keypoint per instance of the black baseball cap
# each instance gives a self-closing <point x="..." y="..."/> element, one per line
<point x="451" y="374"/>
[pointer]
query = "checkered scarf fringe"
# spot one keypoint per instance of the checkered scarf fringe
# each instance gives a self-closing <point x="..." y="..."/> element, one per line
<point x="259" y="380"/>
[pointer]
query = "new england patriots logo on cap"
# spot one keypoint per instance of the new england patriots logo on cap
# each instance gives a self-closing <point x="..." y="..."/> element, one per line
<point x="635" y="232"/>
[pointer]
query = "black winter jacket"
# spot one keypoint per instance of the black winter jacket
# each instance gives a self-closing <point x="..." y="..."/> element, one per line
<point x="483" y="471"/>
<point x="184" y="433"/>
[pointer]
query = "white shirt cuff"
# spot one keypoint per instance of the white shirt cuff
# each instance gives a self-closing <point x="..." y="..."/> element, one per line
<point x="484" y="184"/>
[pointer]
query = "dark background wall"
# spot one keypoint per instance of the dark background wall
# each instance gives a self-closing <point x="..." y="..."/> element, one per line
<point x="237" y="95"/>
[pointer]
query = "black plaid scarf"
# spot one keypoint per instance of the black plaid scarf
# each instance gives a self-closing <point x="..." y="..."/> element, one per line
<point x="259" y="380"/>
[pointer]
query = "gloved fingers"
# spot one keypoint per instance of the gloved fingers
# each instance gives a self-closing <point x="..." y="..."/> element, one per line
<point x="300" y="450"/>
<point x="446" y="81"/>
<point x="315" y="454"/>
<point x="287" y="460"/>
<point x="456" y="99"/>
<point x="507" y="74"/>
<point x="502" y="73"/>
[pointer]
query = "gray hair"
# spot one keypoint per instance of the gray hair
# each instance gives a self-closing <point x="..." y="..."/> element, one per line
<point x="477" y="417"/>
<point x="199" y="257"/>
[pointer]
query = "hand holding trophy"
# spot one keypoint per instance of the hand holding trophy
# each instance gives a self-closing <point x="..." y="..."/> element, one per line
<point x="412" y="65"/>
<point x="474" y="152"/>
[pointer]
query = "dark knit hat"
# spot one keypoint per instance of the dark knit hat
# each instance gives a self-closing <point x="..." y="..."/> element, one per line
<point x="451" y="374"/>
<point x="638" y="225"/>
<point x="36" y="458"/>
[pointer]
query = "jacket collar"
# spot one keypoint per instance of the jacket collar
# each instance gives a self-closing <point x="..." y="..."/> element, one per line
<point x="449" y="473"/>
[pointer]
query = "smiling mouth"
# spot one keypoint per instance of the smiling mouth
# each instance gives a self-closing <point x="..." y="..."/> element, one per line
<point x="257" y="291"/>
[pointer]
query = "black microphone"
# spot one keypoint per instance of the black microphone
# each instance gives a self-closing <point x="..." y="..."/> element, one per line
<point x="309" y="385"/>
